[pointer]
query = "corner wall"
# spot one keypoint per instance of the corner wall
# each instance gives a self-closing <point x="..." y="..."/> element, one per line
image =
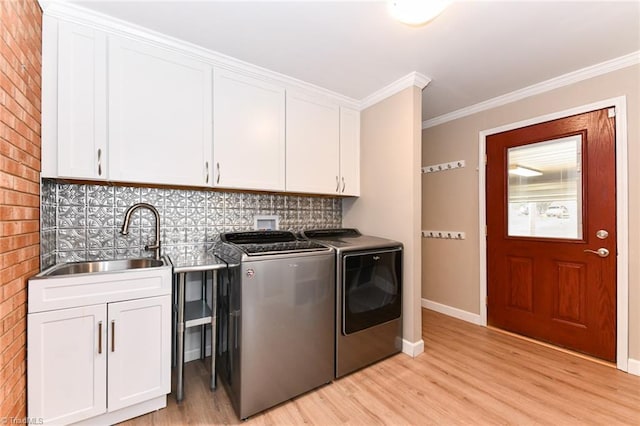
<point x="389" y="205"/>
<point x="450" y="274"/>
<point x="20" y="65"/>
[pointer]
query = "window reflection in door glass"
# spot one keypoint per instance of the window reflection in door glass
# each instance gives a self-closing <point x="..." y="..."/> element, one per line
<point x="545" y="189"/>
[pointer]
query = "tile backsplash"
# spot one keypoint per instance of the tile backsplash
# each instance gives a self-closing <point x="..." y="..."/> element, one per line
<point x="83" y="221"/>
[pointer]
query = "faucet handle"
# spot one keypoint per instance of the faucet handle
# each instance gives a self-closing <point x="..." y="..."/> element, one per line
<point x="155" y="247"/>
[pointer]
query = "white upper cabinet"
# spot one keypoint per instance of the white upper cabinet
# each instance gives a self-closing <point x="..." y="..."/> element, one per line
<point x="125" y="107"/>
<point x="248" y="132"/>
<point x="82" y="103"/>
<point x="159" y="115"/>
<point x="313" y="144"/>
<point x="349" y="152"/>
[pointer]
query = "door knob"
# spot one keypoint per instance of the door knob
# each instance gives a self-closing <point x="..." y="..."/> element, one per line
<point x="602" y="252"/>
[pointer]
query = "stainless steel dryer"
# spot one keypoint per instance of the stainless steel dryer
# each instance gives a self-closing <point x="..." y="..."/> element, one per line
<point x="368" y="296"/>
<point x="275" y="318"/>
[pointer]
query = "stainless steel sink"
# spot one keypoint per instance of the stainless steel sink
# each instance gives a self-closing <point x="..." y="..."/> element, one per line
<point x="102" y="266"/>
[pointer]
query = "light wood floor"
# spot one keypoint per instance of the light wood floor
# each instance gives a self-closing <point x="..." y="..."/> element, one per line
<point x="466" y="375"/>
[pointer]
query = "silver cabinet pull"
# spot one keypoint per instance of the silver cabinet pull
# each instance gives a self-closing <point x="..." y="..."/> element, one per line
<point x="99" y="337"/>
<point x="337" y="184"/>
<point x="99" y="162"/>
<point x="218" y="170"/>
<point x="602" y="252"/>
<point x="206" y="170"/>
<point x="343" y="185"/>
<point x="113" y="336"/>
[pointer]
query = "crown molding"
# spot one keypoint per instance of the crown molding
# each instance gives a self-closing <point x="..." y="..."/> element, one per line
<point x="412" y="79"/>
<point x="538" y="88"/>
<point x="80" y="15"/>
<point x="83" y="16"/>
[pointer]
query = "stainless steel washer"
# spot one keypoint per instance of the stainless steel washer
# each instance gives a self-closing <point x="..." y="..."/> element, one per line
<point x="276" y="313"/>
<point x="368" y="296"/>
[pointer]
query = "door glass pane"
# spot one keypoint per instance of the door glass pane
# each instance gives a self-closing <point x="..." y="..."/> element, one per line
<point x="545" y="189"/>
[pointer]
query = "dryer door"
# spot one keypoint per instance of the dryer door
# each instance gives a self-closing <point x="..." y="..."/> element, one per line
<point x="371" y="288"/>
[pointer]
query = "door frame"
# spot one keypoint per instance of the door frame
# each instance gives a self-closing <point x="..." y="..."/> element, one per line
<point x="622" y="213"/>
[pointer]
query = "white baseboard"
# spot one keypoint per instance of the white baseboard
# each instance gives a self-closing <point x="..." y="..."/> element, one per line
<point x="452" y="312"/>
<point x="633" y="367"/>
<point x="193" y="354"/>
<point x="413" y="349"/>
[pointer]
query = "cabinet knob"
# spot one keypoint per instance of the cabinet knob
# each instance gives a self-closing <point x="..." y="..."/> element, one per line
<point x="343" y="184"/>
<point x="206" y="171"/>
<point x="218" y="170"/>
<point x="337" y="184"/>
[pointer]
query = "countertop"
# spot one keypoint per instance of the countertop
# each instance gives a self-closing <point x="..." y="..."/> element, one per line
<point x="195" y="260"/>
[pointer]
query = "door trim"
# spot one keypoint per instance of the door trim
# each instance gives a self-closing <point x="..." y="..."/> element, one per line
<point x="622" y="213"/>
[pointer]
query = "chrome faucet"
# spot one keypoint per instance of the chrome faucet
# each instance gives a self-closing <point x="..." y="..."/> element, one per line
<point x="127" y="218"/>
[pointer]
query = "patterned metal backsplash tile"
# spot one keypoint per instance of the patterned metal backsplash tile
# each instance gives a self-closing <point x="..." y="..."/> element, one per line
<point x="82" y="222"/>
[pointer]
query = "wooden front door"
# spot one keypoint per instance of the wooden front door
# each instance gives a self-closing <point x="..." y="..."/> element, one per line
<point x="551" y="232"/>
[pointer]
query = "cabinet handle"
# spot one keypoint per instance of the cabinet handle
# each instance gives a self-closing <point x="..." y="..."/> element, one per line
<point x="113" y="336"/>
<point x="337" y="184"/>
<point x="99" y="337"/>
<point x="343" y="185"/>
<point x="218" y="169"/>
<point x="99" y="162"/>
<point x="206" y="168"/>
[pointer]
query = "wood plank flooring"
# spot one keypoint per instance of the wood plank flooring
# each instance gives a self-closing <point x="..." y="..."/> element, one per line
<point x="467" y="375"/>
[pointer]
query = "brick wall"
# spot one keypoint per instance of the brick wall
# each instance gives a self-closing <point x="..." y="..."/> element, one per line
<point x="20" y="65"/>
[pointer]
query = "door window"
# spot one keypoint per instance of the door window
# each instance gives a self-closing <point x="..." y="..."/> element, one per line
<point x="545" y="189"/>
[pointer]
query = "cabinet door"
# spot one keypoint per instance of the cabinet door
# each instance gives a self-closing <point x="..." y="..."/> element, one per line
<point x="82" y="102"/>
<point x="159" y="115"/>
<point x="66" y="366"/>
<point x="248" y="132"/>
<point x="139" y="347"/>
<point x="313" y="138"/>
<point x="349" y="152"/>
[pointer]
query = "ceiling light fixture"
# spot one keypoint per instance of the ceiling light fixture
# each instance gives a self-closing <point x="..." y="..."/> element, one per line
<point x="523" y="171"/>
<point x="416" y="12"/>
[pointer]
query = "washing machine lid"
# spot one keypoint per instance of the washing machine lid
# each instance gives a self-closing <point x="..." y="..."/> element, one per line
<point x="331" y="233"/>
<point x="348" y="239"/>
<point x="261" y="243"/>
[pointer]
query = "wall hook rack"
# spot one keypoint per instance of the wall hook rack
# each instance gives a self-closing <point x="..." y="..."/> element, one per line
<point x="443" y="166"/>
<point x="445" y="235"/>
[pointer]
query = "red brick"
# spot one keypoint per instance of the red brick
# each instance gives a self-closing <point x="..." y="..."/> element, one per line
<point x="20" y="106"/>
<point x="24" y="240"/>
<point x="18" y="213"/>
<point x="14" y="198"/>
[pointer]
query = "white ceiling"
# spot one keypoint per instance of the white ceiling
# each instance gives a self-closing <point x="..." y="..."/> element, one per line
<point x="474" y="51"/>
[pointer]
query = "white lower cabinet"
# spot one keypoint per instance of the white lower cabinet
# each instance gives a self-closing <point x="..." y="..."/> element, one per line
<point x="102" y="363"/>
<point x="138" y="351"/>
<point x="67" y="380"/>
